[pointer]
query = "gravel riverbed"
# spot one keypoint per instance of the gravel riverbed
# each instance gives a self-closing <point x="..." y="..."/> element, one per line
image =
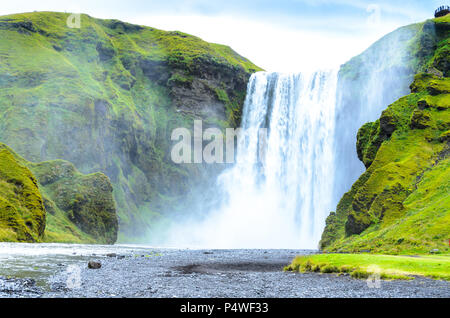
<point x="150" y="272"/>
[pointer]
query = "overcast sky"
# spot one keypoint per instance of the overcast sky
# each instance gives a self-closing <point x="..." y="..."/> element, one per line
<point x="278" y="35"/>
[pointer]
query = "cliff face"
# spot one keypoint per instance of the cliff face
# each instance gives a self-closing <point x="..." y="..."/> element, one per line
<point x="52" y="202"/>
<point x="106" y="97"/>
<point x="401" y="203"/>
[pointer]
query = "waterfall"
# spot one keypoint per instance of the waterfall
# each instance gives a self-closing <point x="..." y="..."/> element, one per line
<point x="278" y="193"/>
<point x="282" y="187"/>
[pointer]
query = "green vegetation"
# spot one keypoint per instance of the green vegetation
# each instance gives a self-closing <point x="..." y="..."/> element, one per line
<point x="70" y="197"/>
<point x="364" y="265"/>
<point x="400" y="204"/>
<point x="54" y="196"/>
<point x="22" y="213"/>
<point x="106" y="97"/>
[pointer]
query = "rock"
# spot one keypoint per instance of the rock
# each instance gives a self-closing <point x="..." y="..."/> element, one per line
<point x="105" y="51"/>
<point x="357" y="222"/>
<point x="434" y="251"/>
<point x="388" y="123"/>
<point x="419" y="120"/>
<point x="422" y="104"/>
<point x="111" y="255"/>
<point x="434" y="71"/>
<point x="94" y="265"/>
<point x="445" y="136"/>
<point x="191" y="78"/>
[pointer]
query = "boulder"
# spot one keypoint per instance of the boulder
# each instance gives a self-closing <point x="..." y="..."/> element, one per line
<point x="94" y="265"/>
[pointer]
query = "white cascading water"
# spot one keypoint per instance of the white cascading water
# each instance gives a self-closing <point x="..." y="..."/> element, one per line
<point x="281" y="200"/>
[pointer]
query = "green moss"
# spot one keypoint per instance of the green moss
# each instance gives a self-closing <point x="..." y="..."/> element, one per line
<point x="222" y="95"/>
<point x="84" y="200"/>
<point x="52" y="202"/>
<point x="22" y="213"/>
<point x="362" y="266"/>
<point x="369" y="139"/>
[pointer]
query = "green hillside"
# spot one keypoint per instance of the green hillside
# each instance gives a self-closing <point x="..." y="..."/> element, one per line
<point x="106" y="97"/>
<point x="22" y="212"/>
<point x="401" y="203"/>
<point x="52" y="202"/>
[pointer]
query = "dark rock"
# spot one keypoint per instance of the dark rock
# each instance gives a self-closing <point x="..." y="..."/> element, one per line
<point x="111" y="255"/>
<point x="436" y="88"/>
<point x="94" y="265"/>
<point x="435" y="72"/>
<point x="387" y="123"/>
<point x="105" y="51"/>
<point x="444" y="137"/>
<point x="125" y="27"/>
<point x="356" y="223"/>
<point x="422" y="104"/>
<point x="20" y="26"/>
<point x="419" y="120"/>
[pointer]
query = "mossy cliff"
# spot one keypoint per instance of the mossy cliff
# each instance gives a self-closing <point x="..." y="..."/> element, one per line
<point x="400" y="204"/>
<point x="52" y="202"/>
<point x="22" y="212"/>
<point x="372" y="80"/>
<point x="106" y="97"/>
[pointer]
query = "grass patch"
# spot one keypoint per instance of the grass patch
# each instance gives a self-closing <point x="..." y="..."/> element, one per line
<point x="363" y="265"/>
